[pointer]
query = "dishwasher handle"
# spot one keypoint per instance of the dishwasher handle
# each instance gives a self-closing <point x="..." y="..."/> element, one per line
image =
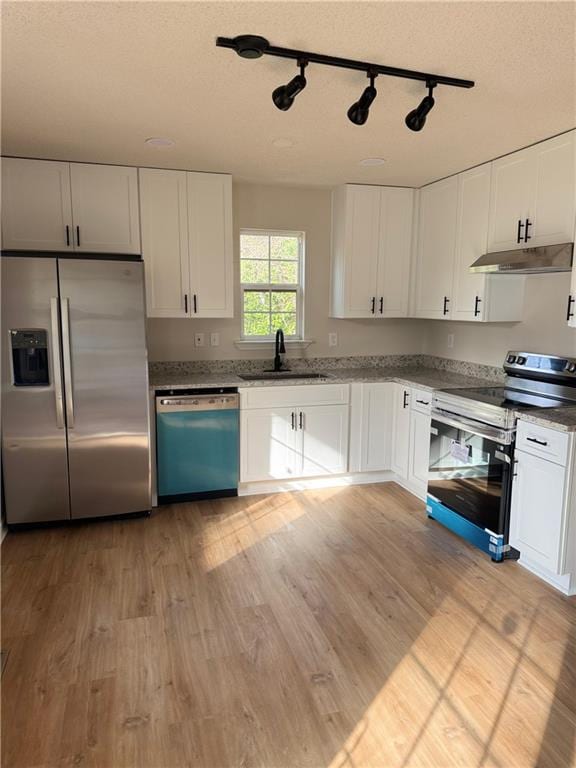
<point x="197" y="403"/>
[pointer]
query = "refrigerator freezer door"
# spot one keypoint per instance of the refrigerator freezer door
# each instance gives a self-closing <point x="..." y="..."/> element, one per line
<point x="34" y="460"/>
<point x="106" y="376"/>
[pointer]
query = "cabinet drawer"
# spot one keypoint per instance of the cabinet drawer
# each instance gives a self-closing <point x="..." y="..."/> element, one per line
<point x="541" y="441"/>
<point x="276" y="397"/>
<point x="421" y="400"/>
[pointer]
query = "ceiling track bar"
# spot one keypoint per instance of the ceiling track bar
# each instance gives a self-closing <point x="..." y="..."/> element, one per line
<point x="361" y="66"/>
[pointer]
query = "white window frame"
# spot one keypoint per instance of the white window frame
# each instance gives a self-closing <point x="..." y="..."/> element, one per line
<point x="298" y="287"/>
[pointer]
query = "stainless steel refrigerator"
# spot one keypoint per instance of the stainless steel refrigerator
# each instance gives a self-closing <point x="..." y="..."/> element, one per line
<point x="75" y="419"/>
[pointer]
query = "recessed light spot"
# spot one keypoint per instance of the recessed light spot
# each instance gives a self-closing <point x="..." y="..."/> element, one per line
<point x="159" y="141"/>
<point x="283" y="143"/>
<point x="371" y="161"/>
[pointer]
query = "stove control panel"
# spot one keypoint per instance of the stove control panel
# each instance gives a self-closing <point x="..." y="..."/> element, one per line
<point x="540" y="367"/>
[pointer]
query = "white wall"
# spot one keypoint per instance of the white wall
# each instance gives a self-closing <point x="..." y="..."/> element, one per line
<point x="282" y="207"/>
<point x="543" y="328"/>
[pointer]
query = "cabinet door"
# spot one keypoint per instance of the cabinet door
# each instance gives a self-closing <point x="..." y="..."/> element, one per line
<point x="436" y="243"/>
<point x="537" y="517"/>
<point x="401" y="430"/>
<point x="511" y="200"/>
<point x="419" y="452"/>
<point x="210" y="244"/>
<point x="471" y="239"/>
<point x="105" y="208"/>
<point x="554" y="206"/>
<point x="371" y="427"/>
<point x="164" y="217"/>
<point x="361" y="250"/>
<point x="271" y="445"/>
<point x="394" y="253"/>
<point x="36" y="205"/>
<point x="324" y="431"/>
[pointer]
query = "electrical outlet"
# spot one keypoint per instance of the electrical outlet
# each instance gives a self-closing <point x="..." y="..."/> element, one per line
<point x="332" y="339"/>
<point x="450" y="341"/>
<point x="214" y="339"/>
<point x="198" y="339"/>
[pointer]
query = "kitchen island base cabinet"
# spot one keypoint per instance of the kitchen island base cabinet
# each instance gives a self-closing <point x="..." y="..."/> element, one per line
<point x="543" y="509"/>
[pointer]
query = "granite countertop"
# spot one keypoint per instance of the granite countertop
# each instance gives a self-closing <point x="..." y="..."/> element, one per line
<point x="562" y="419"/>
<point x="425" y="378"/>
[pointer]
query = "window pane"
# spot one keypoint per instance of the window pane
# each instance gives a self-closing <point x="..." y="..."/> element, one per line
<point x="285" y="321"/>
<point x="284" y="301"/>
<point x="284" y="248"/>
<point x="254" y="246"/>
<point x="256" y="301"/>
<point x="257" y="324"/>
<point x="253" y="271"/>
<point x="283" y="272"/>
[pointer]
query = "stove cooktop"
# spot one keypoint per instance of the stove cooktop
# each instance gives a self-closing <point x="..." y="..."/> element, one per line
<point x="509" y="398"/>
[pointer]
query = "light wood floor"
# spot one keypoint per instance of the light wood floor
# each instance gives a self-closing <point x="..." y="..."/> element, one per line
<point x="325" y="628"/>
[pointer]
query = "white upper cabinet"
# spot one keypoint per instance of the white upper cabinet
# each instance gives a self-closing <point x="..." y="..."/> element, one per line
<point x="36" y="205"/>
<point x="480" y="297"/>
<point x="533" y="196"/>
<point x="164" y="215"/>
<point x="210" y="244"/>
<point x="436" y="248"/>
<point x="59" y="206"/>
<point x="187" y="243"/>
<point x="471" y="238"/>
<point x="395" y="250"/>
<point x="371" y="249"/>
<point x="105" y="208"/>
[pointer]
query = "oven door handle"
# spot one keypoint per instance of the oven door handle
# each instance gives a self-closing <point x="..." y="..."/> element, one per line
<point x="502" y="436"/>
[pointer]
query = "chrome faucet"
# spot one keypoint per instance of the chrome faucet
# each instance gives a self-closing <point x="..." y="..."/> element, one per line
<point x="279" y="349"/>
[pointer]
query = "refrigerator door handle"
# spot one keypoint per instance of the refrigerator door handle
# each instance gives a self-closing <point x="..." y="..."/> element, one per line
<point x="66" y="354"/>
<point x="57" y="363"/>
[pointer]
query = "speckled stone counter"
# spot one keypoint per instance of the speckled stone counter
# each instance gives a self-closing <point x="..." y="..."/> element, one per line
<point x="417" y="376"/>
<point x="563" y="419"/>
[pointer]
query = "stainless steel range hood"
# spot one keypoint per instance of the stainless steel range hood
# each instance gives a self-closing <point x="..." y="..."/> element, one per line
<point x="527" y="261"/>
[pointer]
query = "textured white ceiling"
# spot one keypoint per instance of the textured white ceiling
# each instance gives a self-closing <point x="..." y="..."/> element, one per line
<point x="91" y="80"/>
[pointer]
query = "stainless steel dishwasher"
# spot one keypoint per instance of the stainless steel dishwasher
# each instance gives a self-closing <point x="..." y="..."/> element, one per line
<point x="197" y="444"/>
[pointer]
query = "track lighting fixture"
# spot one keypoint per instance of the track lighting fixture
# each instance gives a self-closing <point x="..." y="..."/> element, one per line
<point x="283" y="96"/>
<point x="416" y="119"/>
<point x="255" y="46"/>
<point x="358" y="112"/>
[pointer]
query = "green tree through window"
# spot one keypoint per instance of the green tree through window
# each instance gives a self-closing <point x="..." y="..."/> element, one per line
<point x="271" y="268"/>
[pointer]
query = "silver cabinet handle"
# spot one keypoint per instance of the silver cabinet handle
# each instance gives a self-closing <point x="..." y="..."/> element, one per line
<point x="67" y="360"/>
<point x="57" y="363"/>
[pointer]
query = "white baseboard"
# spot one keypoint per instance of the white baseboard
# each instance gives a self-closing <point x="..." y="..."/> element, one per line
<point x="413" y="489"/>
<point x="565" y="584"/>
<point x="309" y="483"/>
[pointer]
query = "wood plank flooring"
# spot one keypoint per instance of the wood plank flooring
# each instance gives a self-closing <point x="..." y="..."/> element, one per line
<point x="336" y="628"/>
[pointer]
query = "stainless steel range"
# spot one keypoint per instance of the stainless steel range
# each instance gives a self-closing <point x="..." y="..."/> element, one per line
<point x="472" y="446"/>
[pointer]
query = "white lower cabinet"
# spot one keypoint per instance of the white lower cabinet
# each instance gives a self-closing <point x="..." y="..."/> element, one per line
<point x="323" y="430"/>
<point x="401" y="430"/>
<point x="419" y="452"/>
<point x="271" y="447"/>
<point x="411" y="443"/>
<point x="543" y="517"/>
<point x="371" y="407"/>
<point x="292" y="440"/>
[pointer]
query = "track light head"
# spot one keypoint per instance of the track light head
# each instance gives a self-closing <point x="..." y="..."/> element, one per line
<point x="416" y="119"/>
<point x="250" y="46"/>
<point x="359" y="111"/>
<point x="283" y="96"/>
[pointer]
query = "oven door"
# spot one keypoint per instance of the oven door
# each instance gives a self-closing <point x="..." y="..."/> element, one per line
<point x="469" y="470"/>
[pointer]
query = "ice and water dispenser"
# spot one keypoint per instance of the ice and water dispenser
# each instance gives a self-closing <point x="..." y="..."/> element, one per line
<point x="30" y="357"/>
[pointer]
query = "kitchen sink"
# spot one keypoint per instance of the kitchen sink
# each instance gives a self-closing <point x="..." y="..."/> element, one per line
<point x="281" y="375"/>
